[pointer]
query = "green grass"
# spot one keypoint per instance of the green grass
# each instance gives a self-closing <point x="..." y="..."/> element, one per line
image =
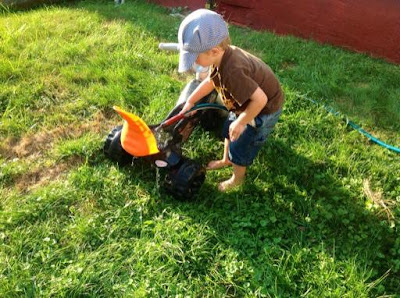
<point x="318" y="215"/>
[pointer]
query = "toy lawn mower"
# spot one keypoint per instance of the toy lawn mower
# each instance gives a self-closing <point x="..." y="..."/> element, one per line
<point x="160" y="144"/>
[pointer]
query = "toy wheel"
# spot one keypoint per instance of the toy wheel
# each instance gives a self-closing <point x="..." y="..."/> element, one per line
<point x="212" y="120"/>
<point x="185" y="181"/>
<point x="113" y="148"/>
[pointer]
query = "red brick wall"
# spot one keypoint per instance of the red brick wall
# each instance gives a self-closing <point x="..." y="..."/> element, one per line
<point x="370" y="26"/>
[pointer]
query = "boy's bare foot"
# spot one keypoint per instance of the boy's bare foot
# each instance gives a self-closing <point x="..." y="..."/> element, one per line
<point x="228" y="184"/>
<point x="218" y="164"/>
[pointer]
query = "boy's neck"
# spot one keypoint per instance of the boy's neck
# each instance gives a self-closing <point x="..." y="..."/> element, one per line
<point x="218" y="58"/>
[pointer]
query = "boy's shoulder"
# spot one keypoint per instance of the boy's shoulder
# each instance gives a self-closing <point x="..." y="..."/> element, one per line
<point x="243" y="54"/>
<point x="235" y="52"/>
<point x="239" y="59"/>
<point x="237" y="49"/>
<point x="235" y="58"/>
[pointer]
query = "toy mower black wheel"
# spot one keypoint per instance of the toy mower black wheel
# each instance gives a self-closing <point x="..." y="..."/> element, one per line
<point x="211" y="120"/>
<point x="184" y="181"/>
<point x="113" y="148"/>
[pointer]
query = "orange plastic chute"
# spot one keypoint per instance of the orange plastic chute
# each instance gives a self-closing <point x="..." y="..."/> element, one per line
<point x="136" y="137"/>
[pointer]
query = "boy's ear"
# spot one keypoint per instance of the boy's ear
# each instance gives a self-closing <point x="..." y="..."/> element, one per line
<point x="215" y="51"/>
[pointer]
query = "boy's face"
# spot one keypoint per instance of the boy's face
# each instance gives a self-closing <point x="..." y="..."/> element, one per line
<point x="204" y="59"/>
<point x="208" y="58"/>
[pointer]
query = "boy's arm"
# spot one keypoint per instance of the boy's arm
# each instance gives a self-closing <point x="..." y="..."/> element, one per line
<point x="202" y="90"/>
<point x="258" y="100"/>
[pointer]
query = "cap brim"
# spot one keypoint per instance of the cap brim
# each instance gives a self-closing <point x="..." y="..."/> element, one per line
<point x="186" y="60"/>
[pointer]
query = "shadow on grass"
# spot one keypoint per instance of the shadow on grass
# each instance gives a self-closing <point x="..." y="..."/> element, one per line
<point x="291" y="228"/>
<point x="297" y="210"/>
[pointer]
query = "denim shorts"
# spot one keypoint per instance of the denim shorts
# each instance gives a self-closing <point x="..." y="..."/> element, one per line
<point x="243" y="151"/>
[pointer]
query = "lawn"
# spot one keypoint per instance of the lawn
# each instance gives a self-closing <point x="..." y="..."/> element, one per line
<point x="318" y="215"/>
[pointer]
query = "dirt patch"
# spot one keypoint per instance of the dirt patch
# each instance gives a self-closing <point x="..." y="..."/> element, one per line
<point x="287" y="65"/>
<point x="361" y="85"/>
<point x="384" y="205"/>
<point x="43" y="175"/>
<point x="33" y="146"/>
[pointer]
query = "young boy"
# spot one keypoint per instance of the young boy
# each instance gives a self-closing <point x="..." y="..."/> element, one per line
<point x="247" y="86"/>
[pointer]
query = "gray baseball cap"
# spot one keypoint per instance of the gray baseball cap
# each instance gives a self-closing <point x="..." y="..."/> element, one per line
<point x="199" y="32"/>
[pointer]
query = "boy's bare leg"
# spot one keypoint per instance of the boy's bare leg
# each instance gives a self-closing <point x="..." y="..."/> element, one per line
<point x="236" y="179"/>
<point x="224" y="162"/>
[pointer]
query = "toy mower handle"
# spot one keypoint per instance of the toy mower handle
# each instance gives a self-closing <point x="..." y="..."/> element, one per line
<point x="202" y="106"/>
<point x="169" y="46"/>
<point x="172" y="120"/>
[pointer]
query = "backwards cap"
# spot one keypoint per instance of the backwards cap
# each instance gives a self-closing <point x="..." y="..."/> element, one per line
<point x="199" y="32"/>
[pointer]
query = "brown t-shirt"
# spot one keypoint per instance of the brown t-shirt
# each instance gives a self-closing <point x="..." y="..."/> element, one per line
<point x="239" y="75"/>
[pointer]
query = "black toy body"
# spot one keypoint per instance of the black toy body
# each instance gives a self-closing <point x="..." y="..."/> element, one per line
<point x="182" y="176"/>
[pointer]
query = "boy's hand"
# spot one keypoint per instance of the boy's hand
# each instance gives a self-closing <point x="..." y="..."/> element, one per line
<point x="236" y="129"/>
<point x="202" y="90"/>
<point x="188" y="105"/>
